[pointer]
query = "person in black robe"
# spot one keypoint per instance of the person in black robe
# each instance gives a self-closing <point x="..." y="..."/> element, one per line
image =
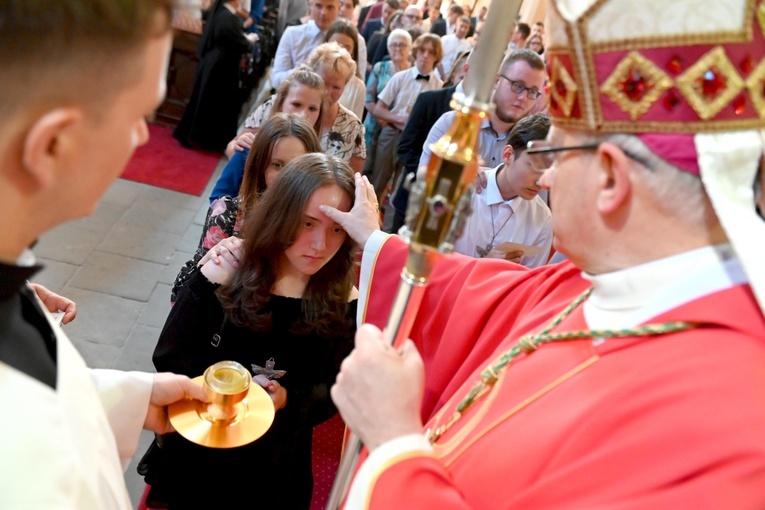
<point x="210" y="119"/>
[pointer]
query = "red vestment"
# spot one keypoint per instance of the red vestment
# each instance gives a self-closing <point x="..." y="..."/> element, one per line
<point x="661" y="422"/>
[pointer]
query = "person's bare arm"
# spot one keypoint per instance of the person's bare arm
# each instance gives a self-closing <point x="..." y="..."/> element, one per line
<point x="357" y="164"/>
<point x="382" y="112"/>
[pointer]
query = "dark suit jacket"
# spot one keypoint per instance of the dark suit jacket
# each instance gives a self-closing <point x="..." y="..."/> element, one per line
<point x="373" y="25"/>
<point x="363" y="16"/>
<point x="381" y="50"/>
<point x="427" y="109"/>
<point x="438" y="27"/>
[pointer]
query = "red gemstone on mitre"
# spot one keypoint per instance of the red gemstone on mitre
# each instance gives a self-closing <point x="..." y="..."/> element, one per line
<point x="747" y="65"/>
<point x="712" y="83"/>
<point x="671" y="100"/>
<point x="560" y="87"/>
<point x="634" y="85"/>
<point x="675" y="64"/>
<point x="739" y="104"/>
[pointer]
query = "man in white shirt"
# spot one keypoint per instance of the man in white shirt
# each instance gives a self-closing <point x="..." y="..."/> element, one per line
<point x="518" y="84"/>
<point x="454" y="44"/>
<point x="510" y="209"/>
<point x="68" y="432"/>
<point x="396" y="101"/>
<point x="298" y="42"/>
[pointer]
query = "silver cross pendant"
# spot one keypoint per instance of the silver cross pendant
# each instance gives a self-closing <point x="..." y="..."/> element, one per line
<point x="483" y="252"/>
<point x="268" y="371"/>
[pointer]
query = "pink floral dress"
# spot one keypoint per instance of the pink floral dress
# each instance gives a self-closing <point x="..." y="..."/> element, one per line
<point x="224" y="219"/>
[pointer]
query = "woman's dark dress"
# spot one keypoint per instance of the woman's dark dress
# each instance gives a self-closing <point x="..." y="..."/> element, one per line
<point x="210" y="119"/>
<point x="274" y="471"/>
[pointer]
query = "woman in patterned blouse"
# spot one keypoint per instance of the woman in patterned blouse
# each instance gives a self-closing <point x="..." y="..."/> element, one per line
<point x="342" y="134"/>
<point x="281" y="139"/>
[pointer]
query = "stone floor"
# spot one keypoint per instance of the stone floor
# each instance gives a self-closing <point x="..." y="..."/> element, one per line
<point x="118" y="266"/>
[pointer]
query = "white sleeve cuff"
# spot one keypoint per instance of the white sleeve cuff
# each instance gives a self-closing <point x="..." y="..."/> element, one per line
<point x="362" y="483"/>
<point x="368" y="258"/>
<point x="125" y="397"/>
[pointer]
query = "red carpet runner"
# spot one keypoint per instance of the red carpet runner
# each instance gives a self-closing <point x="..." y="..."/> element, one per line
<point x="165" y="163"/>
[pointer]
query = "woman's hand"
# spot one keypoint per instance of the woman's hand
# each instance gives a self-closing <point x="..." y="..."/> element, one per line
<point x="275" y="390"/>
<point x="240" y="143"/>
<point x="223" y="260"/>
<point x="229" y="249"/>
<point x="244" y="141"/>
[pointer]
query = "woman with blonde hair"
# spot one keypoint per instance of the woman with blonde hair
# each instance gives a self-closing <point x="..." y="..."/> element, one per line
<point x="346" y="35"/>
<point x="302" y="93"/>
<point x="341" y="133"/>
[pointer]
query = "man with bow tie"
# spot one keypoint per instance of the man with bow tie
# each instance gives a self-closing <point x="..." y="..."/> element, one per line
<point x="396" y="101"/>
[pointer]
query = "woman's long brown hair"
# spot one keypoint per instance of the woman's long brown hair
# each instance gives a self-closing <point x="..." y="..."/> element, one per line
<point x="270" y="229"/>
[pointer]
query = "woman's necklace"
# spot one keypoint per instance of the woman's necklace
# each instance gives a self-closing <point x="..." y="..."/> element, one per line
<point x="529" y="343"/>
<point x="482" y="252"/>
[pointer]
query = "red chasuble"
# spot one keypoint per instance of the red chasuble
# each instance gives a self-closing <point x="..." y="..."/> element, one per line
<point x="661" y="422"/>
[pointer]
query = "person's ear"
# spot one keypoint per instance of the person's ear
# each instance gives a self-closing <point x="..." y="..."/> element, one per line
<point x="508" y="154"/>
<point x="614" y="183"/>
<point x="48" y="143"/>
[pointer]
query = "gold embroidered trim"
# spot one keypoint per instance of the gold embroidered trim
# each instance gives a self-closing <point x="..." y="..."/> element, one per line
<point x="665" y="41"/>
<point x="670" y="41"/>
<point x="457" y="452"/>
<point x="761" y="17"/>
<point x="656" y="81"/>
<point x="690" y="127"/>
<point x="756" y="82"/>
<point x="688" y="83"/>
<point x="566" y="102"/>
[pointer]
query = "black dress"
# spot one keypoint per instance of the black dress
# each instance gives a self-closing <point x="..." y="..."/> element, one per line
<point x="274" y="471"/>
<point x="210" y="119"/>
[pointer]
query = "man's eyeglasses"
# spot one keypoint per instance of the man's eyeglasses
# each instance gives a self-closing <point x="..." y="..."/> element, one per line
<point x="519" y="88"/>
<point x="542" y="155"/>
<point x="399" y="45"/>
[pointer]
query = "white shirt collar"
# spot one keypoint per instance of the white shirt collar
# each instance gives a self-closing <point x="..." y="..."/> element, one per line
<point x="312" y="28"/>
<point x="634" y="295"/>
<point x="26" y="259"/>
<point x="493" y="195"/>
